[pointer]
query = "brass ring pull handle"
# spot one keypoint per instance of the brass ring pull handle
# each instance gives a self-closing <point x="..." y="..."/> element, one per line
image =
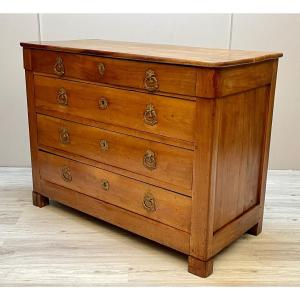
<point x="150" y="160"/>
<point x="66" y="174"/>
<point x="150" y="115"/>
<point x="64" y="136"/>
<point x="59" y="68"/>
<point x="149" y="202"/>
<point x="151" y="81"/>
<point x="103" y="103"/>
<point x="104" y="145"/>
<point x="105" y="184"/>
<point x="101" y="69"/>
<point x="62" y="97"/>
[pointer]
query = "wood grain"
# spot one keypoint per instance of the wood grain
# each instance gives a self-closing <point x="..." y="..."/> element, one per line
<point x="243" y="78"/>
<point x="60" y="246"/>
<point x="216" y="83"/>
<point x="32" y="123"/>
<point x="172" y="54"/>
<point x="171" y="79"/>
<point x="242" y="126"/>
<point x="206" y="138"/>
<point x="170" y="208"/>
<point x="175" y="117"/>
<point x="212" y="113"/>
<point x="173" y="165"/>
<point x="145" y="227"/>
<point x="226" y="235"/>
<point x="266" y="145"/>
<point x="123" y="172"/>
<point x="199" y="267"/>
<point x="39" y="200"/>
<point x="227" y="170"/>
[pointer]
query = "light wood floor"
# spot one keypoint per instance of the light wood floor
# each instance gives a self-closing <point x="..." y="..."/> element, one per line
<point x="57" y="246"/>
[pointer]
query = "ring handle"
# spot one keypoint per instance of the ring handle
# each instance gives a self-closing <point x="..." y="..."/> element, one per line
<point x="149" y="202"/>
<point x="150" y="160"/>
<point x="150" y="115"/>
<point x="151" y="81"/>
<point x="62" y="97"/>
<point x="59" y="68"/>
<point x="66" y="174"/>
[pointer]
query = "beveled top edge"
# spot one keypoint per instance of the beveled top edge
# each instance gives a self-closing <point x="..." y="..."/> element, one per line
<point x="162" y="53"/>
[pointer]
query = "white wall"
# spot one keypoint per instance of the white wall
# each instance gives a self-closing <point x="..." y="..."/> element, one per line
<point x="14" y="138"/>
<point x="195" y="30"/>
<point x="279" y="33"/>
<point x="255" y="32"/>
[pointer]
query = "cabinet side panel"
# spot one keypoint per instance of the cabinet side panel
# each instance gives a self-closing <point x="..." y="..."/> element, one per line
<point x="244" y="78"/>
<point x="240" y="152"/>
<point x="32" y="130"/>
<point x="266" y="146"/>
<point x="31" y="118"/>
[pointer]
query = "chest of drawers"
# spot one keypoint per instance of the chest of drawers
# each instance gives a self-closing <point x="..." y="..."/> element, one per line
<point x="168" y="142"/>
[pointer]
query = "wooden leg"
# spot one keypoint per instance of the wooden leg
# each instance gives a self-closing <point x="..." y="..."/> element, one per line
<point x="256" y="229"/>
<point x="39" y="200"/>
<point x="199" y="267"/>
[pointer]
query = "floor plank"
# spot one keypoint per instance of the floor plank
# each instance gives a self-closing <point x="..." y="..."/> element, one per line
<point x="58" y="246"/>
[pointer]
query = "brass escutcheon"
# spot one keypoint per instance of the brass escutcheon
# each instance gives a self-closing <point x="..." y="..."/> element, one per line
<point x="149" y="202"/>
<point x="103" y="103"/>
<point x="101" y="69"/>
<point x="64" y="136"/>
<point x="66" y="174"/>
<point x="151" y="81"/>
<point x="62" y="97"/>
<point x="59" y="68"/>
<point x="104" y="145"/>
<point x="105" y="184"/>
<point x="150" y="115"/>
<point x="150" y="160"/>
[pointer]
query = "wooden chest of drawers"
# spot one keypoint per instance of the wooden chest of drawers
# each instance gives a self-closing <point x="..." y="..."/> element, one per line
<point x="168" y="142"/>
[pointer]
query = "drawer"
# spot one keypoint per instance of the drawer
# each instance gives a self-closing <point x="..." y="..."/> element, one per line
<point x="158" y="204"/>
<point x="166" y="163"/>
<point x="168" y="117"/>
<point x="150" y="77"/>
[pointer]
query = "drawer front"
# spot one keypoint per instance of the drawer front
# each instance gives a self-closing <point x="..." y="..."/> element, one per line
<point x="153" y="202"/>
<point x="151" y="77"/>
<point x="163" y="162"/>
<point x="169" y="117"/>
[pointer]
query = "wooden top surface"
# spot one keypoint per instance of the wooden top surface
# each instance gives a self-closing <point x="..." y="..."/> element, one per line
<point x="182" y="55"/>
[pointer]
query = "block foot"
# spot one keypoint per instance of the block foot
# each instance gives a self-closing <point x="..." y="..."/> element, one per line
<point x="199" y="267"/>
<point x="39" y="200"/>
<point x="256" y="229"/>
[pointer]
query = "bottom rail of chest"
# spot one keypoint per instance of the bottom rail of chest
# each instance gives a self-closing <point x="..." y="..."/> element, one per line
<point x="151" y="229"/>
<point x="148" y="228"/>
